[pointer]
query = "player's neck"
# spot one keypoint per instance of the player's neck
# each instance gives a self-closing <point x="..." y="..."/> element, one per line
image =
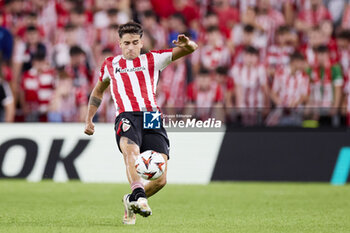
<point x="129" y="59"/>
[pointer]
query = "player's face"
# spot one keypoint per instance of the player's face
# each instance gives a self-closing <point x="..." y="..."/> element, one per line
<point x="131" y="45"/>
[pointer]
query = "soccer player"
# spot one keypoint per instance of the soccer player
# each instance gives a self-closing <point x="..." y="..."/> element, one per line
<point x="132" y="78"/>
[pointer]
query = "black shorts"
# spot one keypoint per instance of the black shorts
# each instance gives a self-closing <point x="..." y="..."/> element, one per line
<point x="130" y="125"/>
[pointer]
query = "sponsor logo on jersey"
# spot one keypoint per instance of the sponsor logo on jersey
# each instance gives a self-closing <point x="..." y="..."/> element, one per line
<point x="135" y="69"/>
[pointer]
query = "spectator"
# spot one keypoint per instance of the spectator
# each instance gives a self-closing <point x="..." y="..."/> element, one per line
<point x="326" y="85"/>
<point x="290" y="90"/>
<point x="336" y="9"/>
<point x="26" y="49"/>
<point x="37" y="89"/>
<point x="171" y="92"/>
<point x="7" y="106"/>
<point x="214" y="53"/>
<point x="278" y="54"/>
<point x="346" y="17"/>
<point x="190" y="11"/>
<point x="150" y="24"/>
<point x="12" y="15"/>
<point x="84" y="32"/>
<point x="106" y="38"/>
<point x="228" y="16"/>
<point x="111" y="10"/>
<point x="68" y="38"/>
<point x="268" y="19"/>
<point x="343" y="43"/>
<point x="139" y="8"/>
<point x="210" y="20"/>
<point x="227" y="86"/>
<point x="315" y="40"/>
<point x="204" y="97"/>
<point x="251" y="87"/>
<point x="163" y="8"/>
<point x="24" y="52"/>
<point x="6" y="42"/>
<point x="177" y="25"/>
<point x="63" y="9"/>
<point x="78" y="69"/>
<point x="30" y="19"/>
<point x="312" y="17"/>
<point x="247" y="36"/>
<point x="69" y="102"/>
<point x="47" y="16"/>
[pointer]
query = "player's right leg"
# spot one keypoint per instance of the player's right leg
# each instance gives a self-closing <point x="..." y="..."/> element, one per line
<point x="137" y="200"/>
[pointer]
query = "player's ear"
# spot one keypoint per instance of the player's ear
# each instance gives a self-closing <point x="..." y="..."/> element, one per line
<point x="141" y="42"/>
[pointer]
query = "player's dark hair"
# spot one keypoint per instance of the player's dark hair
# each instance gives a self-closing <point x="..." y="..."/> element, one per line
<point x="112" y="12"/>
<point x="211" y="29"/>
<point x="76" y="50"/>
<point x="251" y="50"/>
<point x="130" y="27"/>
<point x="248" y="28"/>
<point x="297" y="56"/>
<point x="322" y="49"/>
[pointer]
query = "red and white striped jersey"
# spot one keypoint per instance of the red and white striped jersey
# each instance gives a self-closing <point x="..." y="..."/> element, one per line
<point x="133" y="82"/>
<point x="173" y="85"/>
<point x="290" y="88"/>
<point x="315" y="17"/>
<point x="204" y="100"/>
<point x="279" y="56"/>
<point x="212" y="57"/>
<point x="270" y="22"/>
<point x="38" y="89"/>
<point x="250" y="81"/>
<point x="346" y="18"/>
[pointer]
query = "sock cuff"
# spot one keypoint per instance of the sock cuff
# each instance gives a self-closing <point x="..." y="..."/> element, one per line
<point x="136" y="184"/>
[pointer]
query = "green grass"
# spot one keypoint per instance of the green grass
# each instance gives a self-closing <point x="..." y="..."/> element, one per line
<point x="218" y="207"/>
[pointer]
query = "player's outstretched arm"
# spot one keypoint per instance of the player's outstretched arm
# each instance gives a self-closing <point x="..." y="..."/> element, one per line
<point x="184" y="46"/>
<point x="94" y="103"/>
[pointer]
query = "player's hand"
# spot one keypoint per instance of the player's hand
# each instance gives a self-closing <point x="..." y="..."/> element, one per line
<point x="181" y="41"/>
<point x="89" y="128"/>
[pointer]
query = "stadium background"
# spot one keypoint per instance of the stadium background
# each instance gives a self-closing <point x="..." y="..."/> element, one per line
<point x="51" y="51"/>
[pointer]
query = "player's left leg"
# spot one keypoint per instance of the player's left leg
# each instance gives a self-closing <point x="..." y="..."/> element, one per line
<point x="155" y="185"/>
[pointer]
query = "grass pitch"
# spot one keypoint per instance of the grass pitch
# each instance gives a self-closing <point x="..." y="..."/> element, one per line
<point x="218" y="207"/>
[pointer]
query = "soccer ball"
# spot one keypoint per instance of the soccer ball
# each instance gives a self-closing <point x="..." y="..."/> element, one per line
<point x="150" y="165"/>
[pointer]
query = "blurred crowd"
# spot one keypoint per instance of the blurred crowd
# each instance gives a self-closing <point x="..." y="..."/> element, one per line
<point x="259" y="62"/>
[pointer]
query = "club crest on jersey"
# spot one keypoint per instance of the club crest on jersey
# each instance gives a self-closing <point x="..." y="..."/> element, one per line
<point x="135" y="69"/>
<point x="126" y="124"/>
